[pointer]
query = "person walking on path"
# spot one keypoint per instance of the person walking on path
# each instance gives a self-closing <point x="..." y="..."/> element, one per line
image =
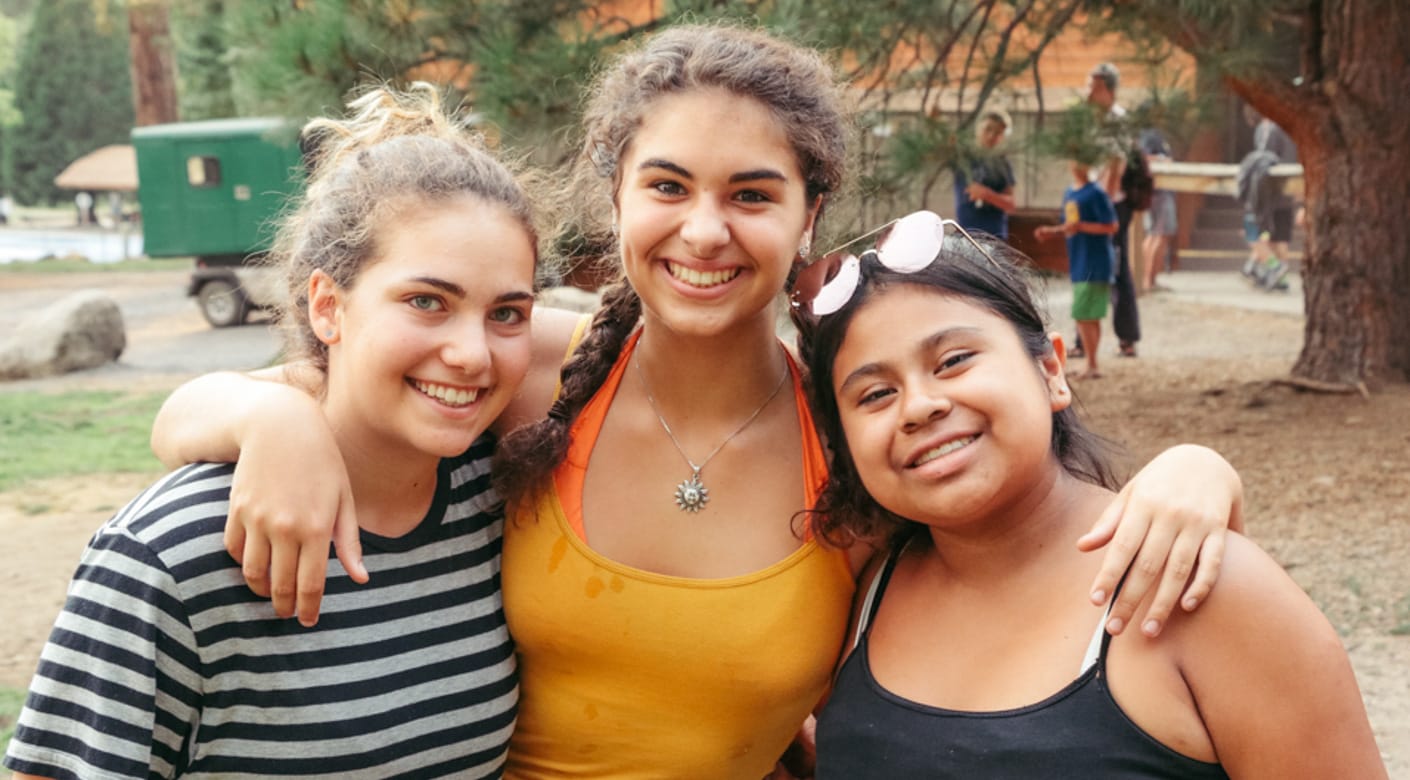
<point x="1089" y="220"/>
<point x="1101" y="96"/>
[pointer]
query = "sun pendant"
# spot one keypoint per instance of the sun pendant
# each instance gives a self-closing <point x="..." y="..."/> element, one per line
<point x="691" y="495"/>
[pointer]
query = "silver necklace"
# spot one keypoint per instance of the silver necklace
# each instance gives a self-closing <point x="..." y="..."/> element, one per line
<point x="691" y="494"/>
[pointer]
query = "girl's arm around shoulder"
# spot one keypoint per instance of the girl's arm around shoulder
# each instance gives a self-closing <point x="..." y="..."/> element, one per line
<point x="291" y="494"/>
<point x="1271" y="678"/>
<point x="207" y="418"/>
<point x="553" y="331"/>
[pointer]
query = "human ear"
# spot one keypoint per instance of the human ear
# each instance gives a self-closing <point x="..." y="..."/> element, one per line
<point x="325" y="307"/>
<point x="1053" y="368"/>
<point x="811" y="224"/>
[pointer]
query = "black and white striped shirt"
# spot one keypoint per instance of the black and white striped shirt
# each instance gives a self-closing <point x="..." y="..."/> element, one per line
<point x="164" y="664"/>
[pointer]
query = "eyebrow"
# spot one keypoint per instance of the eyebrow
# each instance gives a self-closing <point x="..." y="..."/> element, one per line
<point x="754" y="175"/>
<point x="459" y="292"/>
<point x="927" y="344"/>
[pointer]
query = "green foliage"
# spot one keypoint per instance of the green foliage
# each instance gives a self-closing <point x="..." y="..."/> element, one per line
<point x="1081" y="136"/>
<point x="73" y="88"/>
<point x="301" y="59"/>
<point x="69" y="434"/>
<point x="1248" y="38"/>
<point x="10" y="116"/>
<point x="205" y="90"/>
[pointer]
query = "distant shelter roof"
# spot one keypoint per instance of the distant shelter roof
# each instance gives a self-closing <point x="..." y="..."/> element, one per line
<point x="109" y="169"/>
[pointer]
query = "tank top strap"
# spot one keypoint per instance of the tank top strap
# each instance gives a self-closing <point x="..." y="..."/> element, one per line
<point x="872" y="601"/>
<point x="1101" y="640"/>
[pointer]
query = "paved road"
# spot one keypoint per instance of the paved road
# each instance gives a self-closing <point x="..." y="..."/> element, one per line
<point x="167" y="339"/>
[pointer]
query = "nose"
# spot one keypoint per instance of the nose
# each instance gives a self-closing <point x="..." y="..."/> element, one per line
<point x="922" y="402"/>
<point x="466" y="347"/>
<point x="705" y="230"/>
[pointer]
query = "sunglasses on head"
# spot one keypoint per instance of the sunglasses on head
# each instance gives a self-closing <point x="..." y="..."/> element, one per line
<point x="909" y="244"/>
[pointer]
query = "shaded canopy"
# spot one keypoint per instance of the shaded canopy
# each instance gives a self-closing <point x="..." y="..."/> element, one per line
<point x="109" y="169"/>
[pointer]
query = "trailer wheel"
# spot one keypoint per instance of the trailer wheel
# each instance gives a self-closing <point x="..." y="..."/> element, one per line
<point x="222" y="303"/>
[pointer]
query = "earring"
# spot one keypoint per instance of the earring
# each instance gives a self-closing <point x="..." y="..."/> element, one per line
<point x="327" y="334"/>
<point x="805" y="246"/>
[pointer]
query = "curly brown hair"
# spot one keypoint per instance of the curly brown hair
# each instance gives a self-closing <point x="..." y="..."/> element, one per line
<point x="795" y="84"/>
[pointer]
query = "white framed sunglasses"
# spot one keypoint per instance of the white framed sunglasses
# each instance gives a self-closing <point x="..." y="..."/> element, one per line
<point x="911" y="244"/>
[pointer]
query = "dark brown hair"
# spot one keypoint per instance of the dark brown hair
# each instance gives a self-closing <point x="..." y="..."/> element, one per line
<point x="846" y="512"/>
<point x="795" y="84"/>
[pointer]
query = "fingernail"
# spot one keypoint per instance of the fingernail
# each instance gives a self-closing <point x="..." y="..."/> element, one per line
<point x="1151" y="627"/>
<point x="1191" y="603"/>
<point x="1098" y="596"/>
<point x="1114" y="626"/>
<point x="308" y="623"/>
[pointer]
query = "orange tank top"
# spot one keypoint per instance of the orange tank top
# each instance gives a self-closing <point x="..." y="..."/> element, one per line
<point x="626" y="673"/>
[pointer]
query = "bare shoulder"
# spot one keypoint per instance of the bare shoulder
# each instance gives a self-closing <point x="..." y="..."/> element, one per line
<point x="552" y="333"/>
<point x="1253" y="586"/>
<point x="1271" y="678"/>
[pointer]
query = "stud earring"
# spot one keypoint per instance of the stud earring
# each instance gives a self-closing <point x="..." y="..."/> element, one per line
<point x="327" y="334"/>
<point x="805" y="246"/>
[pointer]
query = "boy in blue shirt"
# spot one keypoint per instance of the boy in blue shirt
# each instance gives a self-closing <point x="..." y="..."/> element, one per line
<point x="1089" y="222"/>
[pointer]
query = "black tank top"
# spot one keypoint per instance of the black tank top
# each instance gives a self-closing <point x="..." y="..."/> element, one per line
<point x="867" y="732"/>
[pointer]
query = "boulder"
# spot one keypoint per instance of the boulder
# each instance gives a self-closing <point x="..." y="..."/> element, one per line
<point x="82" y="330"/>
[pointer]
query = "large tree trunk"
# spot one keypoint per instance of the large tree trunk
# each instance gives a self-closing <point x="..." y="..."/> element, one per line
<point x="153" y="62"/>
<point x="1348" y="117"/>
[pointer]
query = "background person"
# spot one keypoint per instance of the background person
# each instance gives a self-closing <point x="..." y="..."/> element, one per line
<point x="1161" y="221"/>
<point x="1126" y="318"/>
<point x="984" y="180"/>
<point x="1089" y="220"/>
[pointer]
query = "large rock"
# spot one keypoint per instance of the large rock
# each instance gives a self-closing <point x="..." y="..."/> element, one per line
<point x="82" y="330"/>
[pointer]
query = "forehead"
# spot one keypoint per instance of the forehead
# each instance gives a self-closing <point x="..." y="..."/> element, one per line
<point x="706" y="130"/>
<point x="467" y="239"/>
<point x="896" y="321"/>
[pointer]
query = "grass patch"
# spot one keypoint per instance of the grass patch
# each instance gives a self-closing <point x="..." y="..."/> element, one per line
<point x="68" y="265"/>
<point x="70" y="434"/>
<point x="1402" y="617"/>
<point x="11" y="699"/>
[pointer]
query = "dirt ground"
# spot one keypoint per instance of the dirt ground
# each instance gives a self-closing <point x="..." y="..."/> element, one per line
<point x="1326" y="479"/>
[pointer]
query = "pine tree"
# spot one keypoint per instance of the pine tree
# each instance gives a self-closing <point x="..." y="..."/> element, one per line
<point x="73" y="89"/>
<point x="205" y="89"/>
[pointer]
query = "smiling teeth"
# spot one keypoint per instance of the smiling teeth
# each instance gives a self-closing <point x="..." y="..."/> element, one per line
<point x="450" y="396"/>
<point x="696" y="278"/>
<point x="945" y="449"/>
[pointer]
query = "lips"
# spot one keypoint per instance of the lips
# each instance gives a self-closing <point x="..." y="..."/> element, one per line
<point x="448" y="394"/>
<point x="945" y="448"/>
<point x="701" y="279"/>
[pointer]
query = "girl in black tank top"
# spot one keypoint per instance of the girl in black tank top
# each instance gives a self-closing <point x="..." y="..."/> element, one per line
<point x="952" y="425"/>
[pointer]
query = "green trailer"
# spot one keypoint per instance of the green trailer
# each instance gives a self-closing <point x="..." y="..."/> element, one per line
<point x="211" y="190"/>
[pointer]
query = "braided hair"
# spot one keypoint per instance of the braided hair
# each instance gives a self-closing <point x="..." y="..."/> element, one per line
<point x="798" y="88"/>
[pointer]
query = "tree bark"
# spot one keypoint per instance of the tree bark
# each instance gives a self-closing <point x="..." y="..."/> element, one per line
<point x="1348" y="119"/>
<point x="153" y="63"/>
